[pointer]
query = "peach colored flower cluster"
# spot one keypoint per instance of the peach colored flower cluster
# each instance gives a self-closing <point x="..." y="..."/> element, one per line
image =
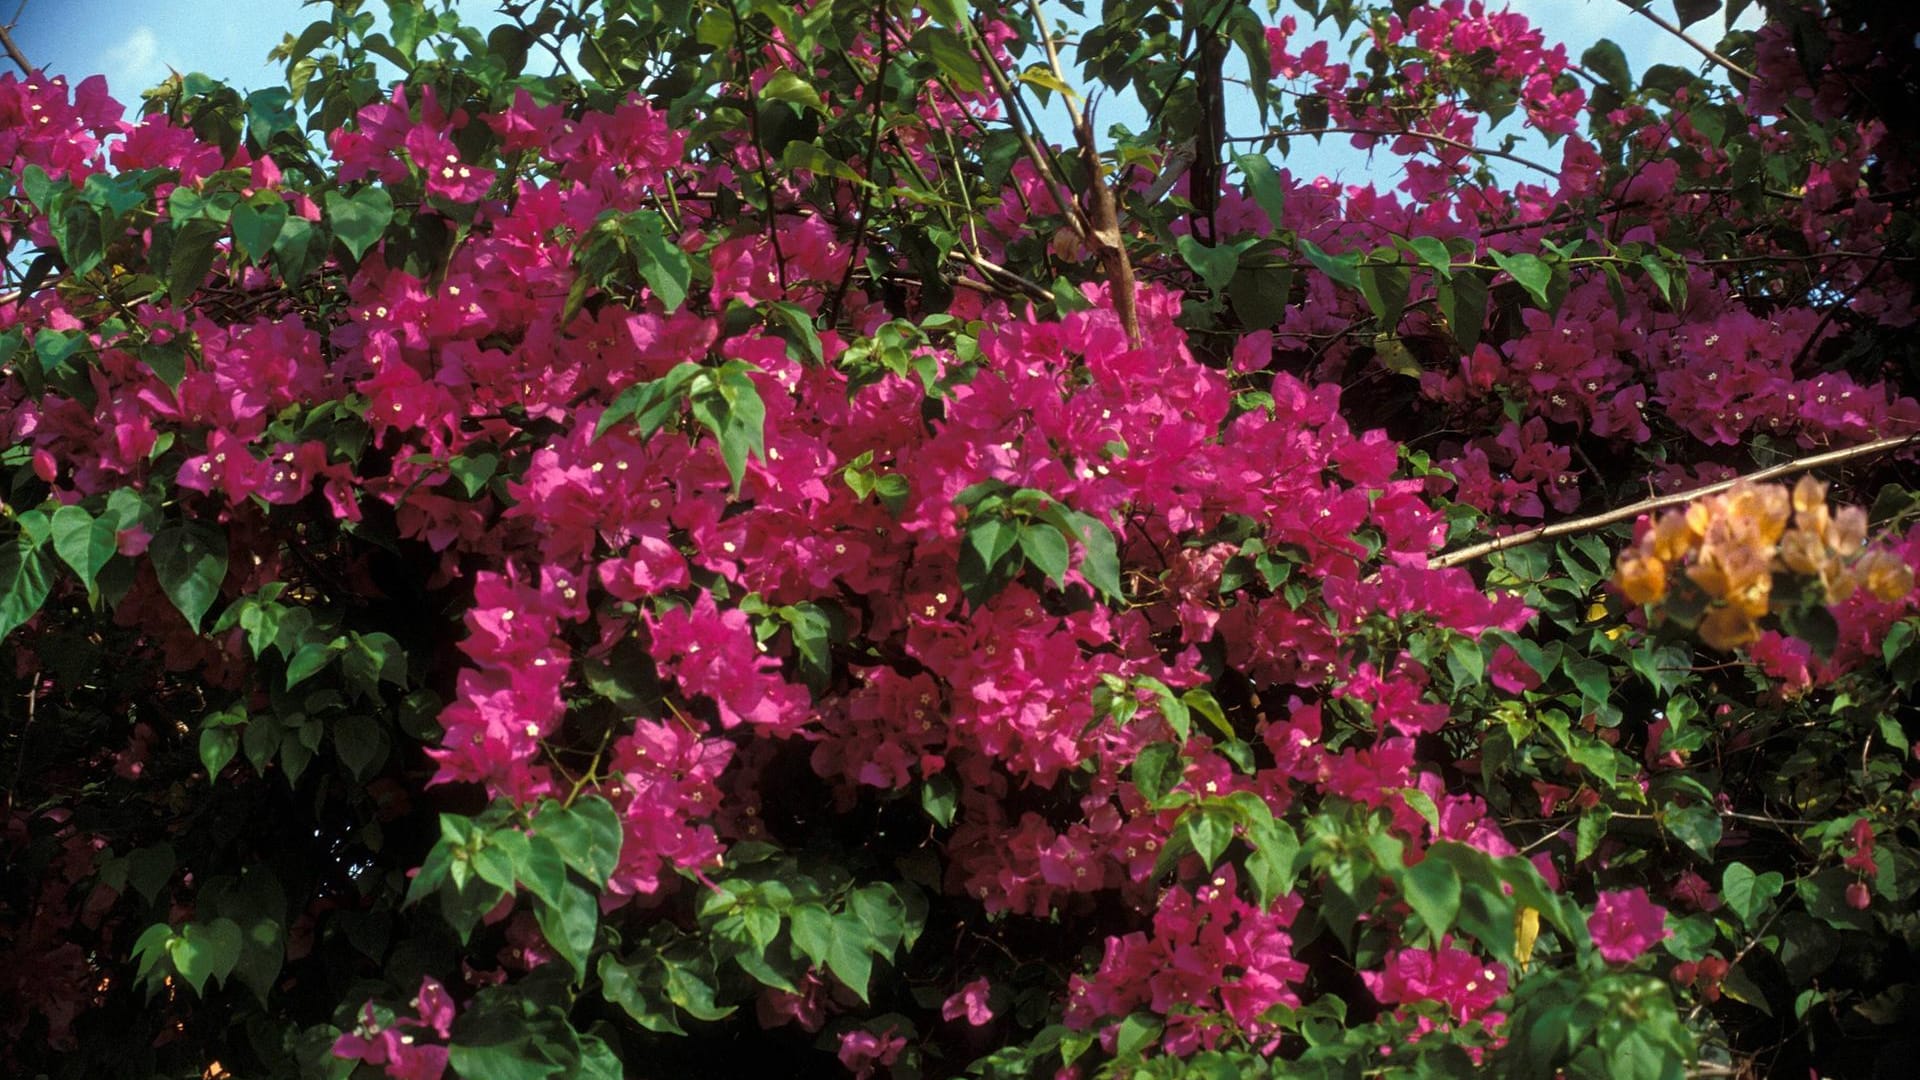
<point x="1731" y="546"/>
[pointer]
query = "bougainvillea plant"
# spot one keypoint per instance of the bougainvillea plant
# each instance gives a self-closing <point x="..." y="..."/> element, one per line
<point x="727" y="538"/>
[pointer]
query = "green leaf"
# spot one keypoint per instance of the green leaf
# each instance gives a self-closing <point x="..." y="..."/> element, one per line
<point x="77" y="232"/>
<point x="495" y="858"/>
<point x="1605" y="59"/>
<point x="167" y="360"/>
<point x="150" y="868"/>
<point x="1739" y="985"/>
<point x="55" y="347"/>
<point x="541" y="869"/>
<point x="1271" y="866"/>
<point x="1432" y="889"/>
<point x="1099" y="558"/>
<point x="1385" y="288"/>
<point x="1592" y="677"/>
<point x="361" y="219"/>
<point x="1463" y="301"/>
<point x="1661" y="277"/>
<point x="812" y="630"/>
<point x="1421" y="803"/>
<point x="620" y="985"/>
<point x="1201" y="700"/>
<point x="792" y="322"/>
<point x="256" y="225"/>
<point x="299" y="248"/>
<point x="1046" y="550"/>
<point x="1532" y="272"/>
<point x="850" y="954"/>
<point x="990" y="539"/>
<point x="370" y="659"/>
<point x="309" y="660"/>
<point x="1589" y="831"/>
<point x="150" y="946"/>
<point x="473" y="471"/>
<point x="693" y="994"/>
<point x="26" y="577"/>
<point x="665" y="267"/>
<point x="1137" y="1033"/>
<point x="650" y="404"/>
<point x="1263" y="183"/>
<point x="1746" y="893"/>
<point x="587" y="835"/>
<point x="361" y="745"/>
<point x="1215" y="265"/>
<point x="1344" y="268"/>
<point x="217" y="747"/>
<point x="191" y="562"/>
<point x="1688" y="12"/>
<point x="1432" y="253"/>
<point x="192" y="258"/>
<point x="569" y="926"/>
<point x="1210" y="828"/>
<point x="950" y="54"/>
<point x="1825" y="892"/>
<point x="948" y="13"/>
<point x="939" y="798"/>
<point x="1156" y="770"/>
<point x="812" y="930"/>
<point x="1259" y="295"/>
<point x="205" y="950"/>
<point x="410" y="23"/>
<point x="1697" y="826"/>
<point x="798" y="94"/>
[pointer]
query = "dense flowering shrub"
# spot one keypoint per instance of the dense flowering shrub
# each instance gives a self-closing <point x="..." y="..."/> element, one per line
<point x="738" y="556"/>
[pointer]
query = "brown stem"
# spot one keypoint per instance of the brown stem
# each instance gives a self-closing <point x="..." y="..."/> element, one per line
<point x="1394" y="133"/>
<point x="1101" y="211"/>
<point x="1042" y="159"/>
<point x="1678" y="498"/>
<point x="873" y="149"/>
<point x="1654" y="18"/>
<point x="13" y="50"/>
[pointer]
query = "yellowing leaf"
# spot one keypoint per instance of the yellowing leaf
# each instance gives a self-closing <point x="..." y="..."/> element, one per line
<point x="1526" y="928"/>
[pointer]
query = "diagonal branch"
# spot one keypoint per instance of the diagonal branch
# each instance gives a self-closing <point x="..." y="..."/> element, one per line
<point x="1678" y="498"/>
<point x="1101" y="210"/>
<point x="13" y="50"/>
<point x="1732" y="68"/>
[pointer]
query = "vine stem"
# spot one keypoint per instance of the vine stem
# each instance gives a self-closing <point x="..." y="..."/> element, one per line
<point x="1100" y="209"/>
<point x="13" y="49"/>
<point x="1654" y="18"/>
<point x="1395" y="133"/>
<point x="1661" y="502"/>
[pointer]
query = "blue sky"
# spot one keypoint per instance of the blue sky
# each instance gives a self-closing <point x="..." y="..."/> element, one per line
<point x="134" y="42"/>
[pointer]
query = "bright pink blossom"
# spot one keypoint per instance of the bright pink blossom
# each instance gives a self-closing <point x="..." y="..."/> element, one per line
<point x="1625" y="924"/>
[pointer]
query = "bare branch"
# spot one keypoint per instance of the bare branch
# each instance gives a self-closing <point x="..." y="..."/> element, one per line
<point x="1654" y="18"/>
<point x="13" y="50"/>
<point x="1394" y="133"/>
<point x="1100" y="208"/>
<point x="1678" y="498"/>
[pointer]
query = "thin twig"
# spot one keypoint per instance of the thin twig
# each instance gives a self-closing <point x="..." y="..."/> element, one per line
<point x="1394" y="133"/>
<point x="989" y="269"/>
<point x="1627" y="513"/>
<point x="878" y="92"/>
<point x="760" y="156"/>
<point x="1653" y="17"/>
<point x="1050" y="172"/>
<point x="13" y="50"/>
<point x="1100" y="208"/>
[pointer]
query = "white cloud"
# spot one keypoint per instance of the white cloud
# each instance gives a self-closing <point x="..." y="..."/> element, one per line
<point x="134" y="64"/>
